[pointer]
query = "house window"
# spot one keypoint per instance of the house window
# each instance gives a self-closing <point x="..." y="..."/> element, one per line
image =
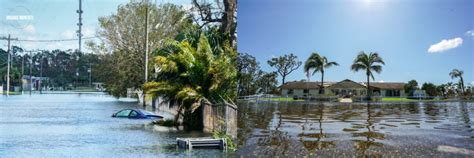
<point x="389" y="93"/>
<point x="306" y="91"/>
<point x="290" y="91"/>
<point x="396" y="93"/>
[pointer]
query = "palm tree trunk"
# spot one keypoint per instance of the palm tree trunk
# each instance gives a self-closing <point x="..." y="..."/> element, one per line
<point x="368" y="87"/>
<point x="321" y="90"/>
<point x="462" y="84"/>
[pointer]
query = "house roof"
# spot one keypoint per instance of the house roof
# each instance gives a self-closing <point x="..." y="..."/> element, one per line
<point x="387" y="85"/>
<point x="346" y="84"/>
<point x="301" y="85"/>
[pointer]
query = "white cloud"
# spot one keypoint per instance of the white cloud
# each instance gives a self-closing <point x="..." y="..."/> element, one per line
<point x="61" y="46"/>
<point x="68" y="34"/>
<point x="470" y="33"/>
<point x="445" y="45"/>
<point x="88" y="32"/>
<point x="71" y="33"/>
<point x="187" y="7"/>
<point x="30" y="29"/>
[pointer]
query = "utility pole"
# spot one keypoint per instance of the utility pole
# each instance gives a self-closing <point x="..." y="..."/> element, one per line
<point x="146" y="43"/>
<point x="22" y="71"/>
<point x="146" y="48"/>
<point x="9" y="58"/>
<point x="31" y="77"/>
<point x="79" y="32"/>
<point x="41" y="74"/>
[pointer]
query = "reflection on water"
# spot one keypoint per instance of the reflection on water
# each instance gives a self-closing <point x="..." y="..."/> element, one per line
<point x="80" y="125"/>
<point x="333" y="129"/>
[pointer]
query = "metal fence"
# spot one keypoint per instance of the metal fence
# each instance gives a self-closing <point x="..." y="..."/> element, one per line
<point x="276" y="98"/>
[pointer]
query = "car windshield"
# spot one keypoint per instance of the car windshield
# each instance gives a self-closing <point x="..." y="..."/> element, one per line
<point x="147" y="112"/>
<point x="123" y="113"/>
<point x="133" y="113"/>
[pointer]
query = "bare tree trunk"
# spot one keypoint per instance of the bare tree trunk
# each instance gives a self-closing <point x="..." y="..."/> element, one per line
<point x="283" y="80"/>
<point x="228" y="23"/>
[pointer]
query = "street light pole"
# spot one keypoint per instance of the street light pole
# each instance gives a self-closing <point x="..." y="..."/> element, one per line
<point x="146" y="49"/>
<point x="31" y="77"/>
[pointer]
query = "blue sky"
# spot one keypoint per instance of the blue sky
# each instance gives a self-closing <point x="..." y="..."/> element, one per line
<point x="408" y="34"/>
<point x="56" y="19"/>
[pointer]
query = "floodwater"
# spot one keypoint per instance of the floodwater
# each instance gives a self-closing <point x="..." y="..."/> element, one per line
<point x="357" y="130"/>
<point x="80" y="125"/>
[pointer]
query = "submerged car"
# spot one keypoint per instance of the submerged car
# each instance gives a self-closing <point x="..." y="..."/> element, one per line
<point x="135" y="114"/>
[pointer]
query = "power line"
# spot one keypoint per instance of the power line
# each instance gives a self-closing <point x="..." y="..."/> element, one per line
<point x="9" y="60"/>
<point x="52" y="40"/>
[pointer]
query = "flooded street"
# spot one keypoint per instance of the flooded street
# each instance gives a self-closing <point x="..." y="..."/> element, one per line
<point x="70" y="125"/>
<point x="334" y="130"/>
<point x="65" y="125"/>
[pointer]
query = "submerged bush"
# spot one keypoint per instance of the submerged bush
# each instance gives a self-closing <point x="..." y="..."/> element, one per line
<point x="167" y="123"/>
<point x="228" y="139"/>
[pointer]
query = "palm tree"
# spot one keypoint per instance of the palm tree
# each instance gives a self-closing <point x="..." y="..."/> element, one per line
<point x="318" y="63"/>
<point x="371" y="62"/>
<point x="191" y="76"/>
<point x="458" y="73"/>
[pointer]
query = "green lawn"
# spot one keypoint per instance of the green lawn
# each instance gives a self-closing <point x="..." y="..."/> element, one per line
<point x="12" y="93"/>
<point x="284" y="99"/>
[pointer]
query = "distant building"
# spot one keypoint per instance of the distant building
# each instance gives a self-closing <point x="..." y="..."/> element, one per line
<point x="99" y="86"/>
<point x="419" y="93"/>
<point x="348" y="87"/>
<point x="388" y="89"/>
<point x="32" y="82"/>
<point x="345" y="87"/>
<point x="300" y="89"/>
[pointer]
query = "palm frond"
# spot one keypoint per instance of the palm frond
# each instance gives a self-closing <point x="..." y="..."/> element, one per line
<point x="375" y="58"/>
<point x="358" y="66"/>
<point x="376" y="68"/>
<point x="329" y="64"/>
<point x="164" y="64"/>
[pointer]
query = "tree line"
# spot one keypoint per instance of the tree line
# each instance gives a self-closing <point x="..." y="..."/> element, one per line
<point x="65" y="69"/>
<point x="249" y="74"/>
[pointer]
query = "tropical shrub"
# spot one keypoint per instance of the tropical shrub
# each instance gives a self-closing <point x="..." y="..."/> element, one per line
<point x="191" y="75"/>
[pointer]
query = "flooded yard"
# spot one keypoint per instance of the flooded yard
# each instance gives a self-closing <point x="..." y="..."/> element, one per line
<point x="334" y="129"/>
<point x="80" y="125"/>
